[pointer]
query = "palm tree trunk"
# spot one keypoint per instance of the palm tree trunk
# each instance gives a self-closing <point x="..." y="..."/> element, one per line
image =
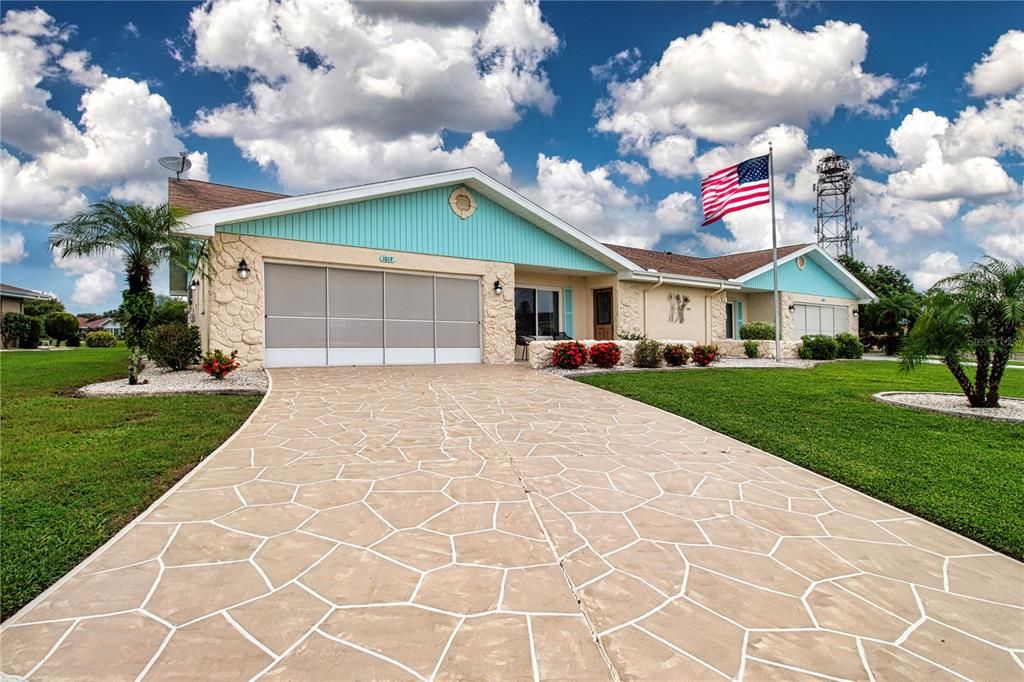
<point x="981" y="375"/>
<point x="995" y="377"/>
<point x="953" y="362"/>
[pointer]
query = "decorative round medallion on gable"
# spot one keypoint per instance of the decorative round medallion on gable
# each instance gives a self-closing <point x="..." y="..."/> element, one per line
<point x="801" y="262"/>
<point x="463" y="202"/>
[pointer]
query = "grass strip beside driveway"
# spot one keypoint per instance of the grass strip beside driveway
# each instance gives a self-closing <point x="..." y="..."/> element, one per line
<point x="964" y="474"/>
<point x="74" y="471"/>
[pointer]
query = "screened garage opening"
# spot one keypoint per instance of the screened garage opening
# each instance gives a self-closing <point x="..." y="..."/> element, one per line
<point x="819" y="319"/>
<point x="343" y="316"/>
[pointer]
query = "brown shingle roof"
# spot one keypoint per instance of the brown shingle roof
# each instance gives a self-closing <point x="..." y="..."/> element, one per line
<point x="195" y="196"/>
<point x="668" y="263"/>
<point x="721" y="267"/>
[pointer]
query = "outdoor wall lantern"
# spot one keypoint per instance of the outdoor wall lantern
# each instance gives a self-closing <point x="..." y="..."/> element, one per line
<point x="194" y="285"/>
<point x="243" y="269"/>
<point x="497" y="287"/>
<point x="792" y="308"/>
<point x="856" y="313"/>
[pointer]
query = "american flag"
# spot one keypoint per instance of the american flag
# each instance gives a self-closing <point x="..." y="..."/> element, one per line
<point x="734" y="189"/>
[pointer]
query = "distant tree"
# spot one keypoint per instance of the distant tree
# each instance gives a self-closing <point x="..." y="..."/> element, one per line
<point x="898" y="304"/>
<point x="114" y="313"/>
<point x="90" y="316"/>
<point x="61" y="326"/>
<point x="980" y="310"/>
<point x="41" y="307"/>
<point x="169" y="310"/>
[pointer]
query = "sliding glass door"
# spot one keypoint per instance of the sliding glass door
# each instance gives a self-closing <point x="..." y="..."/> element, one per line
<point x="537" y="312"/>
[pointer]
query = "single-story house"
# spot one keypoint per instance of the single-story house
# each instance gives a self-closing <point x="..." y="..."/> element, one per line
<point x="12" y="298"/>
<point x="454" y="266"/>
<point x="105" y="324"/>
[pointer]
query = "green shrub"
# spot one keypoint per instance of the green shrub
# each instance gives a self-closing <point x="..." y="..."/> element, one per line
<point x="74" y="342"/>
<point x="218" y="365"/>
<point x="175" y="346"/>
<point x="569" y="355"/>
<point x="676" y="354"/>
<point x="819" y="347"/>
<point x="752" y="348"/>
<point x="849" y="346"/>
<point x="14" y="327"/>
<point x="100" y="339"/>
<point x="61" y="326"/>
<point x="757" y="330"/>
<point x="35" y="332"/>
<point x="632" y="336"/>
<point x="647" y="353"/>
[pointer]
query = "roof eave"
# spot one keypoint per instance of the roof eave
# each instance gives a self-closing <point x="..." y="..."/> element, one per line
<point x="203" y="224"/>
<point x="681" y="280"/>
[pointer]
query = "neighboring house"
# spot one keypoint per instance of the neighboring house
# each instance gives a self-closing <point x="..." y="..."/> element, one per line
<point x="105" y="324"/>
<point x="453" y="266"/>
<point x="12" y="298"/>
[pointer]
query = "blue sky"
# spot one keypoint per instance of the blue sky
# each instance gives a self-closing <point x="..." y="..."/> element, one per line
<point x="925" y="98"/>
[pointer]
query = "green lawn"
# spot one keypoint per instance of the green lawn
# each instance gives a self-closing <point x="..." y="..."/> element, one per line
<point x="75" y="470"/>
<point x="964" y="474"/>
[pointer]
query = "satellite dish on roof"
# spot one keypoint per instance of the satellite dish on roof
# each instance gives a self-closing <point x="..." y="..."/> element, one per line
<point x="179" y="164"/>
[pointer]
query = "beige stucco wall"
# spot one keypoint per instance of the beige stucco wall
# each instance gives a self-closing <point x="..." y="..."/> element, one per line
<point x="10" y="305"/>
<point x="582" y="296"/>
<point x="234" y="308"/>
<point x="669" y="315"/>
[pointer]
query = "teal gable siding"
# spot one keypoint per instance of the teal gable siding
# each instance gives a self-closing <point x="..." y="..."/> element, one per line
<point x="813" y="280"/>
<point x="422" y="222"/>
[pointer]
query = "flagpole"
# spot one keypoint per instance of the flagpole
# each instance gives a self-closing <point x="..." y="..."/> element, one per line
<point x="775" y="257"/>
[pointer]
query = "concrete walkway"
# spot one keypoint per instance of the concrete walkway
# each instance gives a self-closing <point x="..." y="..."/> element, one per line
<point x="498" y="523"/>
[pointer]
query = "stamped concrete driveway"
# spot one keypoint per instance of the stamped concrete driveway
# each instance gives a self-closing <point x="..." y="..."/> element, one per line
<point x="492" y="522"/>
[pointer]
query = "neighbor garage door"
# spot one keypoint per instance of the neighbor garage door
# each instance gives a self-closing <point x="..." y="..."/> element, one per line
<point x="820" y="319"/>
<point x="340" y="316"/>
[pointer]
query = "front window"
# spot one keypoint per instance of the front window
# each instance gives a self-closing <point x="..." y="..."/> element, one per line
<point x="729" y="321"/>
<point x="537" y="312"/>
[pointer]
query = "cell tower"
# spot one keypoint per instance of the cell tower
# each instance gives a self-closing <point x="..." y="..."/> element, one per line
<point x="834" y="210"/>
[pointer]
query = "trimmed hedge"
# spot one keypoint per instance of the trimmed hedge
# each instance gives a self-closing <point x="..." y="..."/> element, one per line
<point x="764" y="331"/>
<point x="751" y="348"/>
<point x="818" y="347"/>
<point x="13" y="328"/>
<point x="100" y="339"/>
<point x="850" y="346"/>
<point x="35" y="333"/>
<point x="61" y="326"/>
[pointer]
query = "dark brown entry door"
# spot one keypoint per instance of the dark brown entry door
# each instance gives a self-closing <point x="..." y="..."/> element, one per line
<point x="604" y="319"/>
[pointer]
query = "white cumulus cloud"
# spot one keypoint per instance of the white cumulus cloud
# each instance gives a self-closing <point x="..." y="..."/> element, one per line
<point x="341" y="93"/>
<point x="12" y="248"/>
<point x="1001" y="71"/>
<point x="124" y="127"/>
<point x="707" y="86"/>
<point x="935" y="266"/>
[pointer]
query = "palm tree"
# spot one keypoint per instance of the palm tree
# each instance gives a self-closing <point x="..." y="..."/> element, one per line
<point x="979" y="310"/>
<point x="144" y="236"/>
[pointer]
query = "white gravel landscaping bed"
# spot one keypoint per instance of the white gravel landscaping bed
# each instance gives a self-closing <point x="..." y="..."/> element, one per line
<point x="1010" y="409"/>
<point x="725" y="363"/>
<point x="163" y="382"/>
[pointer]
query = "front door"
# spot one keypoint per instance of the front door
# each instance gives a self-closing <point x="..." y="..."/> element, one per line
<point x="604" y="319"/>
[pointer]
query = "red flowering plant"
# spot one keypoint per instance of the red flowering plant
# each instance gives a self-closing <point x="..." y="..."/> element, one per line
<point x="605" y="354"/>
<point x="676" y="354"/>
<point x="705" y="355"/>
<point x="569" y="355"/>
<point x="218" y="365"/>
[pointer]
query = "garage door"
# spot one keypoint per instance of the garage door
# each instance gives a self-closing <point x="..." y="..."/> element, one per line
<point x="819" y="319"/>
<point x="340" y="316"/>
